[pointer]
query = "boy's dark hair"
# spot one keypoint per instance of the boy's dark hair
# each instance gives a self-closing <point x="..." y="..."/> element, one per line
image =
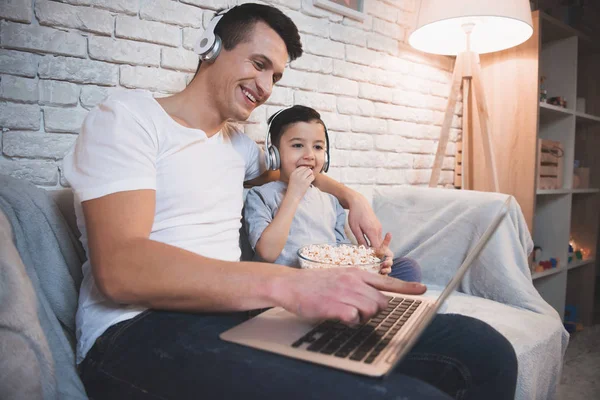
<point x="237" y="24"/>
<point x="280" y="122"/>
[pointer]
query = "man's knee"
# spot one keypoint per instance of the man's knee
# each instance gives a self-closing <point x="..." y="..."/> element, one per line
<point x="491" y="352"/>
<point x="406" y="269"/>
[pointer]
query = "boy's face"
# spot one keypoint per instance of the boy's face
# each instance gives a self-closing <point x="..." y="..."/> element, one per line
<point x="302" y="145"/>
<point x="243" y="77"/>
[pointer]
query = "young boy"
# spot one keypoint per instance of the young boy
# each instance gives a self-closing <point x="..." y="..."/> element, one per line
<point x="284" y="215"/>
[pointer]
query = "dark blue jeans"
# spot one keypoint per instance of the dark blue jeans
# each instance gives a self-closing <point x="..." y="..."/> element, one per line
<point x="170" y="355"/>
<point x="406" y="269"/>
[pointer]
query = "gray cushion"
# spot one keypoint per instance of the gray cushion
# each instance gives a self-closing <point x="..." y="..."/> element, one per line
<point x="25" y="358"/>
<point x="52" y="257"/>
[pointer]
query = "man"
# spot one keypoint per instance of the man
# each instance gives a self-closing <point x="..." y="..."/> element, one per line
<point x="158" y="189"/>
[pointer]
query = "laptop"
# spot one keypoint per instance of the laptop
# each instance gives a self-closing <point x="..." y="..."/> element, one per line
<point x="372" y="348"/>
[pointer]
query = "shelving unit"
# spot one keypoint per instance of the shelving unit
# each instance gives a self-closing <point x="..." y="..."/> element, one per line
<point x="570" y="63"/>
<point x="580" y="263"/>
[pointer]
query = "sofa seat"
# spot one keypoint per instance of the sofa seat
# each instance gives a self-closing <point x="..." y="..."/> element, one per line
<point x="535" y="337"/>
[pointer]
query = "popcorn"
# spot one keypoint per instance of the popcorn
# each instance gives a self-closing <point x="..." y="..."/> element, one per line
<point x="338" y="255"/>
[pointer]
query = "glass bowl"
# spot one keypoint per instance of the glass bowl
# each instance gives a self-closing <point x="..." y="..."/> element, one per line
<point x="328" y="248"/>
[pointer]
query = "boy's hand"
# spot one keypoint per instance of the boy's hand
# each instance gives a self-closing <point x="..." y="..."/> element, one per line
<point x="384" y="251"/>
<point x="300" y="180"/>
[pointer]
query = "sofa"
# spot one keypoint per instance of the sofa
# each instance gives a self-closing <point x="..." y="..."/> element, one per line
<point x="40" y="275"/>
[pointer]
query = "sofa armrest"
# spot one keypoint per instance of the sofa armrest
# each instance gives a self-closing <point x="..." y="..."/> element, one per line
<point x="438" y="227"/>
<point x="65" y="202"/>
<point x="25" y="359"/>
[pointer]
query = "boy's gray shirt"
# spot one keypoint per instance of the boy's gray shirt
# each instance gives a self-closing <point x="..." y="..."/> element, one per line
<point x="319" y="218"/>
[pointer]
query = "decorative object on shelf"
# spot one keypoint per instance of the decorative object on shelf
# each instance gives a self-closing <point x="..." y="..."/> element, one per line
<point x="580" y="105"/>
<point x="570" y="253"/>
<point x="577" y="252"/>
<point x="583" y="178"/>
<point x="350" y="8"/>
<point x="558" y="101"/>
<point x="467" y="28"/>
<point x="536" y="256"/>
<point x="543" y="91"/>
<point x="537" y="253"/>
<point x="550" y="164"/>
<point x="570" y="320"/>
<point x="586" y="253"/>
<point x="547" y="264"/>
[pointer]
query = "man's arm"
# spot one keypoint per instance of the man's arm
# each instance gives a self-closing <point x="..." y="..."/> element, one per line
<point x="266" y="177"/>
<point x="362" y="220"/>
<point x="130" y="268"/>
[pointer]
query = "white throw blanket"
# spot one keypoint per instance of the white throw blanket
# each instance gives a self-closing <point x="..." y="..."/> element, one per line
<point x="438" y="227"/>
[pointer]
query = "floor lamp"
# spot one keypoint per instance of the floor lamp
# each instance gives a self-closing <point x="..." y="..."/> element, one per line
<point x="466" y="29"/>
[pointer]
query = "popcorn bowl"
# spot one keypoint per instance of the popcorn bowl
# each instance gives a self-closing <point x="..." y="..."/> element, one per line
<point x="339" y="255"/>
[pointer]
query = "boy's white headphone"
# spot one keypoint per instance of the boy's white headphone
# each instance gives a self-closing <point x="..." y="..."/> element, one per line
<point x="209" y="44"/>
<point x="272" y="159"/>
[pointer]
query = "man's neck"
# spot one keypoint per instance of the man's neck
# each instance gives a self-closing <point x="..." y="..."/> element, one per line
<point x="193" y="108"/>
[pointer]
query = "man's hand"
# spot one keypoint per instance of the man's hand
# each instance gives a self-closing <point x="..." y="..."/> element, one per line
<point x="384" y="252"/>
<point x="363" y="222"/>
<point x="346" y="294"/>
<point x="300" y="180"/>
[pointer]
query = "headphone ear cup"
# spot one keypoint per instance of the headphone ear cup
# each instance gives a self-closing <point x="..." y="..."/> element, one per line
<point x="326" y="163"/>
<point x="268" y="158"/>
<point x="209" y="44"/>
<point x="205" y="43"/>
<point x="272" y="158"/>
<point x="214" y="51"/>
<point x="276" y="160"/>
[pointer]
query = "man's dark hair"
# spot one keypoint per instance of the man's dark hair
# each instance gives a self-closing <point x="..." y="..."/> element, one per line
<point x="237" y="24"/>
<point x="280" y="122"/>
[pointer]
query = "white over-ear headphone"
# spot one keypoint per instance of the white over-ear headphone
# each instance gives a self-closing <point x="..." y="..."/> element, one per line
<point x="209" y="44"/>
<point x="272" y="159"/>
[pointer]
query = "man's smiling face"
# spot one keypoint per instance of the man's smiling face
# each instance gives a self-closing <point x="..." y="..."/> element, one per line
<point x="242" y="78"/>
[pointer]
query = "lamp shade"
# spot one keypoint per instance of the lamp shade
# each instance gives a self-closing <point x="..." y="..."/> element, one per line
<point x="497" y="25"/>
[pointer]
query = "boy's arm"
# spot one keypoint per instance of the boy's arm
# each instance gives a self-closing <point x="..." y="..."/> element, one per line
<point x="273" y="238"/>
<point x="340" y="223"/>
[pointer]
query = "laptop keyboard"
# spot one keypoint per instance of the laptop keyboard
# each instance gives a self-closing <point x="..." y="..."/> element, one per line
<point x="362" y="343"/>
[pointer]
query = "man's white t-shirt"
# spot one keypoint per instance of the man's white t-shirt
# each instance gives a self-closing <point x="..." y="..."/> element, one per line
<point x="129" y="142"/>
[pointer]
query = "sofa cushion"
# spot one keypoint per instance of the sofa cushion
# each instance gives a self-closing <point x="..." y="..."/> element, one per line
<point x="52" y="257"/>
<point x="25" y="358"/>
<point x="63" y="198"/>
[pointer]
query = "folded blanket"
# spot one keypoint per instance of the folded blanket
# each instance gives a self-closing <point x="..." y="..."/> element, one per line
<point x="438" y="227"/>
<point x="26" y="366"/>
<point x="52" y="257"/>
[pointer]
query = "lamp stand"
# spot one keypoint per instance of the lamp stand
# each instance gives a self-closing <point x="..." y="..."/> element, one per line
<point x="466" y="75"/>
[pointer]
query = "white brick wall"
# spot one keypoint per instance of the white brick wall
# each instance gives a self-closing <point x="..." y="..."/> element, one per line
<point x="382" y="101"/>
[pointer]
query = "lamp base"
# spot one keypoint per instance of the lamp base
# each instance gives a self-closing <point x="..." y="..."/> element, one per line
<point x="467" y="74"/>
